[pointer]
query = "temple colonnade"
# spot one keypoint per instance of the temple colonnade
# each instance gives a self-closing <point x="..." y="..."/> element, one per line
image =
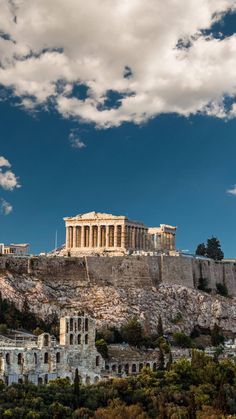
<point x="106" y="236"/>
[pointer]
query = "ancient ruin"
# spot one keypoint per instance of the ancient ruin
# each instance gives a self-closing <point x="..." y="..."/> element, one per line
<point x="98" y="233"/>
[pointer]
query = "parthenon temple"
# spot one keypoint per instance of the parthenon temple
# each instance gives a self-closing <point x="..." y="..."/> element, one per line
<point x="99" y="233"/>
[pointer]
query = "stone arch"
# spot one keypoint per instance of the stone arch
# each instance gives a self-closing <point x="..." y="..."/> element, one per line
<point x="140" y="367"/>
<point x="97" y="361"/>
<point x="8" y="358"/>
<point x="113" y="367"/>
<point x="96" y="379"/>
<point x="88" y="380"/>
<point x="134" y="368"/>
<point x="86" y="339"/>
<point x="154" y="367"/>
<point x="46" y="358"/>
<point x="35" y="358"/>
<point x="20" y="359"/>
<point x="79" y="339"/>
<point x="119" y="369"/>
<point x="86" y="324"/>
<point x="71" y="338"/>
<point x="127" y="369"/>
<point x="58" y="357"/>
<point x="46" y="340"/>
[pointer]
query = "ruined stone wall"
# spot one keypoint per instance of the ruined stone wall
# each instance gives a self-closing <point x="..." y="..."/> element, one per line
<point x="141" y="271"/>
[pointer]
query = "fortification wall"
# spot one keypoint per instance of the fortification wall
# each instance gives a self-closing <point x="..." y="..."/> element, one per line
<point x="144" y="271"/>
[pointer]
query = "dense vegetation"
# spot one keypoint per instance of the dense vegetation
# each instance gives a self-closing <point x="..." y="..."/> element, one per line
<point x="12" y="318"/>
<point x="200" y="389"/>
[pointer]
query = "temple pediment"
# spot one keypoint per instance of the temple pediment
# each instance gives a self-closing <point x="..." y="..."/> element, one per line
<point x="93" y="215"/>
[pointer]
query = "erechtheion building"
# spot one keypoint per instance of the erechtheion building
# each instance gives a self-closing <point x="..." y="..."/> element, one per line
<point x="101" y="233"/>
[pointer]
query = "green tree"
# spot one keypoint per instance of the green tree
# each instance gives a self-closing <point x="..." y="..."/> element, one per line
<point x="201" y="250"/>
<point x="216" y="337"/>
<point x="213" y="249"/>
<point x="102" y="347"/>
<point x="132" y="332"/>
<point x="161" y="360"/>
<point x="222" y="289"/>
<point x="160" y="331"/>
<point x="3" y="329"/>
<point x="182" y="340"/>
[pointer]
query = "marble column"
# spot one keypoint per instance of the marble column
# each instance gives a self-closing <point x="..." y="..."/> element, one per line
<point x="99" y="236"/>
<point x="74" y="237"/>
<point x="107" y="236"/>
<point x="133" y="237"/>
<point x="123" y="236"/>
<point x="67" y="237"/>
<point x="115" y="235"/>
<point x="91" y="236"/>
<point x="82" y="236"/>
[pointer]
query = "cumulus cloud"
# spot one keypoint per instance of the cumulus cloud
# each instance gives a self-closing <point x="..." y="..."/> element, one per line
<point x="8" y="180"/>
<point x="156" y="56"/>
<point x="4" y="162"/>
<point x="76" y="141"/>
<point x="6" y="207"/>
<point x="232" y="191"/>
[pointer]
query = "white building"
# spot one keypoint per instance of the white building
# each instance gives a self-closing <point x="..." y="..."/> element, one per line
<point x="14" y="249"/>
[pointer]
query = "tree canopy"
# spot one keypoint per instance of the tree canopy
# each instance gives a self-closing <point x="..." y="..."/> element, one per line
<point x="212" y="249"/>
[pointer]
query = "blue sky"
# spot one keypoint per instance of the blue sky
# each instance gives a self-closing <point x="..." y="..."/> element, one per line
<point x="170" y="166"/>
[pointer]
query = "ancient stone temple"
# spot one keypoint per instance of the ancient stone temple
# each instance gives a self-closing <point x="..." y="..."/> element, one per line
<point x="99" y="233"/>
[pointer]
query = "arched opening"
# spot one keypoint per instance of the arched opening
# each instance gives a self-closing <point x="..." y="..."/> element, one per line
<point x="71" y="339"/>
<point x="119" y="369"/>
<point x="8" y="361"/>
<point x="140" y="367"/>
<point x="113" y="367"/>
<point x="46" y="358"/>
<point x="20" y="359"/>
<point x="71" y="325"/>
<point x="79" y="339"/>
<point x="79" y="324"/>
<point x="97" y="361"/>
<point x="46" y="379"/>
<point x="35" y="358"/>
<point x="86" y="339"/>
<point x="148" y="365"/>
<point x="107" y="368"/>
<point x="86" y="325"/>
<point x="96" y="379"/>
<point x="46" y="340"/>
<point x="134" y="369"/>
<point x="88" y="380"/>
<point x="58" y="357"/>
<point x="127" y="369"/>
<point x="20" y="381"/>
<point x="154" y="367"/>
<point x="40" y="381"/>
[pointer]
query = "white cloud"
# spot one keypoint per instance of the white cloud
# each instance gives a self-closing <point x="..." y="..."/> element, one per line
<point x="232" y="191"/>
<point x="6" y="207"/>
<point x="127" y="46"/>
<point x="8" y="179"/>
<point x="4" y="162"/>
<point x="76" y="141"/>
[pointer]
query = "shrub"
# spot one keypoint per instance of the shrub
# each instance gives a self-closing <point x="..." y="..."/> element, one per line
<point x="182" y="340"/>
<point x="203" y="285"/>
<point x="102" y="347"/>
<point x="222" y="289"/>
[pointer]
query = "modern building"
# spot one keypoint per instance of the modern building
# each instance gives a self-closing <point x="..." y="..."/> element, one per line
<point x="99" y="233"/>
<point x="14" y="249"/>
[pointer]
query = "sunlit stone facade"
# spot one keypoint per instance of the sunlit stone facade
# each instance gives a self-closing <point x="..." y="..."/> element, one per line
<point x="99" y="233"/>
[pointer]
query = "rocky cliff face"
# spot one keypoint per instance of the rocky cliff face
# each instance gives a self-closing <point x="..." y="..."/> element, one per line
<point x="113" y="289"/>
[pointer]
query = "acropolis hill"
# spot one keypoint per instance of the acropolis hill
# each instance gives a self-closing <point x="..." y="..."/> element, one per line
<point x="114" y="288"/>
<point x="144" y="280"/>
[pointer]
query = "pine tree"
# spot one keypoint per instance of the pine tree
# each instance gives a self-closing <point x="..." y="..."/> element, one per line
<point x="161" y="360"/>
<point x="213" y="249"/>
<point x="201" y="250"/>
<point x="160" y="331"/>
